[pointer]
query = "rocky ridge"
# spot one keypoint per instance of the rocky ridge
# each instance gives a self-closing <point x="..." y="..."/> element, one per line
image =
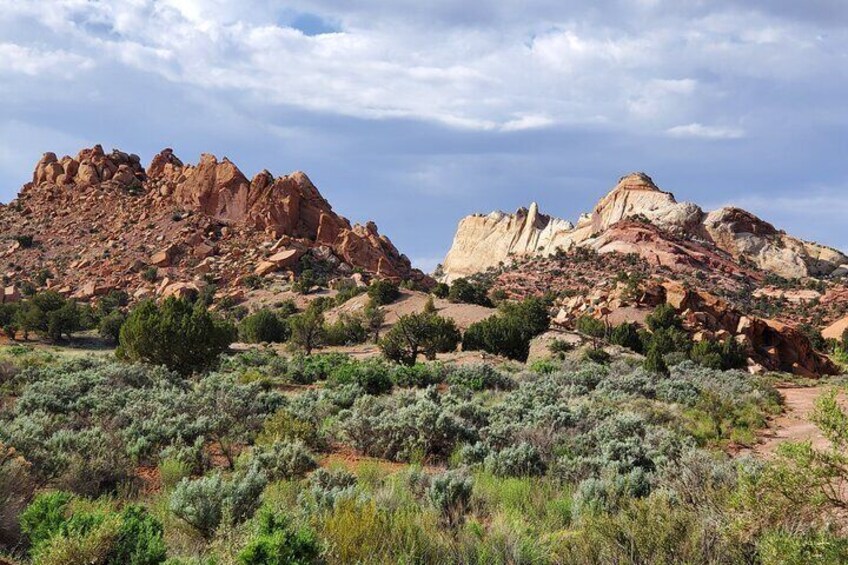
<point x="101" y="221"/>
<point x="675" y="228"/>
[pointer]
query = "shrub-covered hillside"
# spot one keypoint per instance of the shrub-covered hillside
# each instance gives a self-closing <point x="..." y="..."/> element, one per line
<point x="324" y="459"/>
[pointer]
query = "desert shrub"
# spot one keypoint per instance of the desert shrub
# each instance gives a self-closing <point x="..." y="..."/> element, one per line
<point x="16" y="488"/>
<point x="209" y="501"/>
<point x="450" y="494"/>
<point x="284" y="460"/>
<point x="726" y="355"/>
<point x="596" y="355"/>
<point x="469" y="292"/>
<point x="408" y="425"/>
<point x="781" y="547"/>
<point x="420" y="375"/>
<point x="9" y="319"/>
<point x="440" y="290"/>
<point x="278" y="542"/>
<point x="307" y="369"/>
<point x="110" y="326"/>
<point x="285" y="426"/>
<point x="480" y="377"/>
<point x="307" y="329"/>
<point x="509" y="332"/>
<point x="150" y="274"/>
<point x="522" y="460"/>
<point x="139" y="540"/>
<point x="263" y="326"/>
<point x="63" y="529"/>
<point x="182" y="336"/>
<point x="424" y="333"/>
<point x="328" y="486"/>
<point x="559" y="347"/>
<point x="382" y="292"/>
<point x="590" y="326"/>
<point x="346" y="330"/>
<point x="373" y="318"/>
<point x="814" y="335"/>
<point x="372" y="376"/>
<point x="627" y="335"/>
<point x="663" y="317"/>
<point x="86" y="423"/>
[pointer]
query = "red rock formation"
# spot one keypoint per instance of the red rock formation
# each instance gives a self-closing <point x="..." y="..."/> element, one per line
<point x="100" y="219"/>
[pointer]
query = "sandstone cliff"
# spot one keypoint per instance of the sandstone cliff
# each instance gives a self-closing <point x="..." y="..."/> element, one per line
<point x="686" y="234"/>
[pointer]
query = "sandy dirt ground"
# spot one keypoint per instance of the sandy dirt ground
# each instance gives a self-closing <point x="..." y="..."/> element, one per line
<point x="794" y="424"/>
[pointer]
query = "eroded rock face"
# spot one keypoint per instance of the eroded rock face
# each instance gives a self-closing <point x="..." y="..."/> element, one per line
<point x="101" y="220"/>
<point x="485" y="241"/>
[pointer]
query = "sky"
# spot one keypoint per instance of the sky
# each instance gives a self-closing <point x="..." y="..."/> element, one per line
<point x="414" y="114"/>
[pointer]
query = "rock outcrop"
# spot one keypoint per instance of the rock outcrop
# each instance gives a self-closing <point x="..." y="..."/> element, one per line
<point x="482" y="242"/>
<point x="101" y="220"/>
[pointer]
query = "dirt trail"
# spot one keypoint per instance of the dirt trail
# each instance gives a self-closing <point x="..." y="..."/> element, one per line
<point x="794" y="424"/>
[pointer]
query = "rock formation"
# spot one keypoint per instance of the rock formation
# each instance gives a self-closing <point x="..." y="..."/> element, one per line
<point x="485" y="241"/>
<point x="99" y="221"/>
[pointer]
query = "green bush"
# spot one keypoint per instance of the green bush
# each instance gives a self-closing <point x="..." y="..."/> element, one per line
<point x="307" y="329"/>
<point x="285" y="426"/>
<point x="284" y="460"/>
<point x="654" y="362"/>
<point x="522" y="460"/>
<point x="60" y="527"/>
<point x="16" y="487"/>
<point x="263" y="326"/>
<point x="423" y="333"/>
<point x="382" y="292"/>
<point x="182" y="336"/>
<point x="627" y="335"/>
<point x="468" y="292"/>
<point x="420" y="375"/>
<point x="664" y="316"/>
<point x="277" y="542"/>
<point x="597" y="355"/>
<point x="509" y="332"/>
<point x="372" y="376"/>
<point x="440" y="290"/>
<point x="110" y="326"/>
<point x="726" y="355"/>
<point x="204" y="503"/>
<point x="346" y="330"/>
<point x="450" y="494"/>
<point x="590" y="326"/>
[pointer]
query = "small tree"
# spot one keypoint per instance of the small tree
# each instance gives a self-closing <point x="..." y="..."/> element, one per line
<point x="184" y="337"/>
<point x="664" y="316"/>
<point x="263" y="326"/>
<point x="110" y="326"/>
<point x="845" y="340"/>
<point x="654" y="362"/>
<point x="419" y="333"/>
<point x="383" y="292"/>
<point x="307" y="329"/>
<point x="463" y="290"/>
<point x="374" y="317"/>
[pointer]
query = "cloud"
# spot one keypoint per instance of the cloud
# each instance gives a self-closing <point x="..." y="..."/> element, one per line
<point x="37" y="62"/>
<point x="700" y="131"/>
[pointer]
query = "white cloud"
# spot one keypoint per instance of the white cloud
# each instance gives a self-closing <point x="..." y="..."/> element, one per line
<point x="36" y="62"/>
<point x="700" y="131"/>
<point x="651" y="67"/>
